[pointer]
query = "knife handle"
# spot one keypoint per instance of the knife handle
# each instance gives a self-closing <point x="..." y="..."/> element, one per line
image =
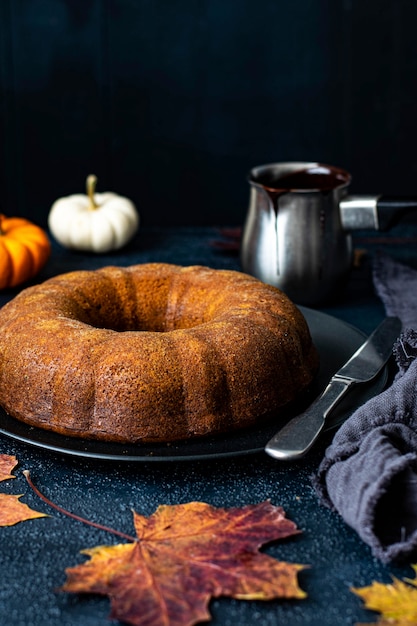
<point x="298" y="436"/>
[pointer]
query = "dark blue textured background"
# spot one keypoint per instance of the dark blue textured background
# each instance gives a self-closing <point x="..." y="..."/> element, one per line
<point x="170" y="102"/>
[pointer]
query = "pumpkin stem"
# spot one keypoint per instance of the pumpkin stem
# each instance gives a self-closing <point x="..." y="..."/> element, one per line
<point x="2" y="232"/>
<point x="91" y="188"/>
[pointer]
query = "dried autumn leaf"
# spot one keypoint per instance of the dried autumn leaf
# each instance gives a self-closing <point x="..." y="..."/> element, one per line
<point x="397" y="602"/>
<point x="13" y="511"/>
<point x="7" y="463"/>
<point x="186" y="554"/>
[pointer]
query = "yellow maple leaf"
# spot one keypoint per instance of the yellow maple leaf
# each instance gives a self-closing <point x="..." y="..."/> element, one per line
<point x="397" y="601"/>
<point x="13" y="511"/>
<point x="7" y="463"/>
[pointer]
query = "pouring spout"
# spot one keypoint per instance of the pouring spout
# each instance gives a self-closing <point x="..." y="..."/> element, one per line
<point x="374" y="212"/>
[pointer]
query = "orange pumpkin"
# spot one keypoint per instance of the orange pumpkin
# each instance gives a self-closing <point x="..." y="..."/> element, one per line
<point x="24" y="250"/>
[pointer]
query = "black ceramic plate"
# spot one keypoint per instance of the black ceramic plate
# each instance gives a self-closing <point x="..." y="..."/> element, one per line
<point x="335" y="340"/>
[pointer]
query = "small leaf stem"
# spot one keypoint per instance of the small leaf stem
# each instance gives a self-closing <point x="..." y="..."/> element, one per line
<point x="91" y="188"/>
<point x="73" y="515"/>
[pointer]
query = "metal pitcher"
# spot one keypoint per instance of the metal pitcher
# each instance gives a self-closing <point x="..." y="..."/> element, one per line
<point x="297" y="231"/>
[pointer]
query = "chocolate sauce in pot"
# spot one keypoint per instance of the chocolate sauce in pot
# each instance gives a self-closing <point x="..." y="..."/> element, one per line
<point x="316" y="178"/>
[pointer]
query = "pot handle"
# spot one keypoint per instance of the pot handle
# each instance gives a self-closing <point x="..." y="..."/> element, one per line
<point x="379" y="212"/>
<point x="391" y="209"/>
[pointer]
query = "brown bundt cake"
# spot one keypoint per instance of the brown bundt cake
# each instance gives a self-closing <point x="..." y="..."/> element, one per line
<point x="152" y="352"/>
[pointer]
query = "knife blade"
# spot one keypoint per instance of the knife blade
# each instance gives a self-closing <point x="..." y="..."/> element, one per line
<point x="297" y="437"/>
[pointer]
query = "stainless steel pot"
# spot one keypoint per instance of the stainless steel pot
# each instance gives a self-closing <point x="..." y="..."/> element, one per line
<point x="297" y="230"/>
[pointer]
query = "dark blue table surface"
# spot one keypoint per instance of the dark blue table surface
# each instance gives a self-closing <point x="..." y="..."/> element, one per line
<point x="34" y="554"/>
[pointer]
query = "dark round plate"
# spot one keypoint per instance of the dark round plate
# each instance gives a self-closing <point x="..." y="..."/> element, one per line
<point x="335" y="340"/>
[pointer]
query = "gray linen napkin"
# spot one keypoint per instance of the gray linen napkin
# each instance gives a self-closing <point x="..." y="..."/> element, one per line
<point x="369" y="472"/>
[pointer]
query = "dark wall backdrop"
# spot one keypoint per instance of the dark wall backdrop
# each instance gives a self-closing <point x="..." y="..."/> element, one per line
<point x="170" y="102"/>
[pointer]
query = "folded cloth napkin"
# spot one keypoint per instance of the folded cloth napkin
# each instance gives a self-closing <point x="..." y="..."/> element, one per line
<point x="369" y="472"/>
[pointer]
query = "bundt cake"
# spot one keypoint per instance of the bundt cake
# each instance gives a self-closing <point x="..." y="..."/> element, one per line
<point x="152" y="352"/>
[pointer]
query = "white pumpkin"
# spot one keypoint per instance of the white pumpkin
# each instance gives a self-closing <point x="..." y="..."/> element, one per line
<point x="95" y="222"/>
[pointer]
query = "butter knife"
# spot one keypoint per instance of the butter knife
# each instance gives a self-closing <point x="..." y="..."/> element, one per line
<point x="297" y="437"/>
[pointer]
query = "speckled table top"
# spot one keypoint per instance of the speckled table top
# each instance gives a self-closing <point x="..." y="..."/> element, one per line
<point x="34" y="554"/>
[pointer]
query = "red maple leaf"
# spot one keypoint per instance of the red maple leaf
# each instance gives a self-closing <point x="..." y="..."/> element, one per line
<point x="185" y="555"/>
